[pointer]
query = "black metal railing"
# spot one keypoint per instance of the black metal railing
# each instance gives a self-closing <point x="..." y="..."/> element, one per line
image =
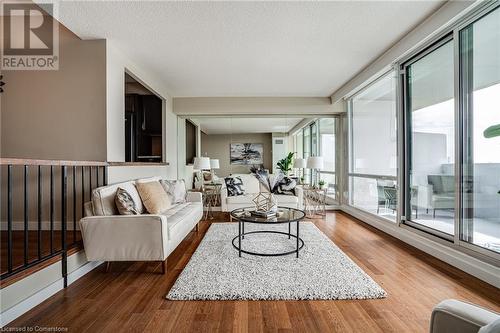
<point x="79" y="192"/>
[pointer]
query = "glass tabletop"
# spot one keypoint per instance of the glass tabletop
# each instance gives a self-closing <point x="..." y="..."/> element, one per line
<point x="284" y="215"/>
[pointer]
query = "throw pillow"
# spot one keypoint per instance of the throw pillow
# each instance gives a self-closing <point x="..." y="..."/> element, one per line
<point x="176" y="189"/>
<point x="154" y="197"/>
<point x="125" y="203"/>
<point x="234" y="186"/>
<point x="207" y="176"/>
<point x="286" y="186"/>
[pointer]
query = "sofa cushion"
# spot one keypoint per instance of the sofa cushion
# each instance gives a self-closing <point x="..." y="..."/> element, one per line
<point x="124" y="203"/>
<point x="103" y="198"/>
<point x="179" y="214"/>
<point x="286" y="199"/>
<point x="250" y="183"/>
<point x="176" y="189"/>
<point x="153" y="196"/>
<point x="241" y="199"/>
<point x="247" y="199"/>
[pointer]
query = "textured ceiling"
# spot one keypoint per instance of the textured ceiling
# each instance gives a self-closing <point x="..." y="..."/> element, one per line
<point x="249" y="48"/>
<point x="236" y="125"/>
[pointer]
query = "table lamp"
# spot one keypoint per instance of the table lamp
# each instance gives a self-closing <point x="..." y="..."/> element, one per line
<point x="299" y="163"/>
<point x="315" y="163"/>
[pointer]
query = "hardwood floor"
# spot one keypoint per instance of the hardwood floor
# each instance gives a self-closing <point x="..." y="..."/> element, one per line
<point x="18" y="246"/>
<point x="131" y="297"/>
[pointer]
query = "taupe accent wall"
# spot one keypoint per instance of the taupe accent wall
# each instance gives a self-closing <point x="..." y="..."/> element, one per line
<point x="58" y="114"/>
<point x="218" y="146"/>
<point x="54" y="115"/>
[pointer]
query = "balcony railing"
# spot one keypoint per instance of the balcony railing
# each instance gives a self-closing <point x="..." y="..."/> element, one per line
<point x="46" y="236"/>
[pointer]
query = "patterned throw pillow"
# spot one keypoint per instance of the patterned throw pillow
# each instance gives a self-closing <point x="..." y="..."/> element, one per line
<point x="286" y="186"/>
<point x="125" y="203"/>
<point x="234" y="186"/>
<point x="176" y="189"/>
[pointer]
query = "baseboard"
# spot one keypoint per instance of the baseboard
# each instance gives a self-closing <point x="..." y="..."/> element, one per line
<point x="471" y="265"/>
<point x="29" y="303"/>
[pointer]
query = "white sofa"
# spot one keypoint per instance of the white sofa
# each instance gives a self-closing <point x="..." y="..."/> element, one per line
<point x="251" y="187"/>
<point x="108" y="236"/>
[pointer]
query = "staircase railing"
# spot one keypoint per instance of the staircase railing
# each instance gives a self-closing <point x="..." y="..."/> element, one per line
<point x="19" y="174"/>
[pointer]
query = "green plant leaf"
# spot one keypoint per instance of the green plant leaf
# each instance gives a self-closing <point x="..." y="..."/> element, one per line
<point x="492" y="131"/>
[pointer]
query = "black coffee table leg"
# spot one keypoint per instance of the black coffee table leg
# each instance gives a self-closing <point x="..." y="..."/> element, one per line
<point x="297" y="239"/>
<point x="243" y="229"/>
<point x="289" y="228"/>
<point x="239" y="238"/>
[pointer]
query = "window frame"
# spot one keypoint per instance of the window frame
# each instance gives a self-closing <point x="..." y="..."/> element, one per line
<point x="461" y="108"/>
<point x="405" y="183"/>
<point x="350" y="155"/>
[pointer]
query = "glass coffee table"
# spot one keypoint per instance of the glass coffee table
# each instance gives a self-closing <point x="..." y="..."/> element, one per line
<point x="286" y="216"/>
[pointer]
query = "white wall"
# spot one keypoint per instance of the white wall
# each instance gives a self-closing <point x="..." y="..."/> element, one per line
<point x="116" y="65"/>
<point x="280" y="151"/>
<point x="419" y="35"/>
<point x="19" y="297"/>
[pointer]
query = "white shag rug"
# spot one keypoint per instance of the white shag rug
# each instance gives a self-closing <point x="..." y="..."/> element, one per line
<point x="322" y="271"/>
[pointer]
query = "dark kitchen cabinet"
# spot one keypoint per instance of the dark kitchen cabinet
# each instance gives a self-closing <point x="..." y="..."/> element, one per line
<point x="143" y="128"/>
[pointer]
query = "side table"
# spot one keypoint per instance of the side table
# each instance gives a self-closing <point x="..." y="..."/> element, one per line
<point x="315" y="201"/>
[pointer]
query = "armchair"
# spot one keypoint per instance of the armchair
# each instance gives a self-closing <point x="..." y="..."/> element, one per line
<point x="452" y="316"/>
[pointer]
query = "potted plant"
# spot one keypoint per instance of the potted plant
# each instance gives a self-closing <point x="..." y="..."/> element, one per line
<point x="285" y="164"/>
<point x="302" y="180"/>
<point x="321" y="183"/>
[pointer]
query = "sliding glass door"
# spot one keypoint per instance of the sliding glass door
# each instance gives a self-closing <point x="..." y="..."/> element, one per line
<point x="430" y="139"/>
<point x="373" y="146"/>
<point x="446" y="96"/>
<point x="480" y="64"/>
<point x="451" y="109"/>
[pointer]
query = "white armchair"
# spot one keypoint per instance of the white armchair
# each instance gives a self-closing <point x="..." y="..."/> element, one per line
<point x="452" y="316"/>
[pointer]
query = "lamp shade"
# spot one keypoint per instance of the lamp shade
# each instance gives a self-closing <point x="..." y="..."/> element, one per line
<point x="214" y="163"/>
<point x="201" y="163"/>
<point x="315" y="162"/>
<point x="299" y="163"/>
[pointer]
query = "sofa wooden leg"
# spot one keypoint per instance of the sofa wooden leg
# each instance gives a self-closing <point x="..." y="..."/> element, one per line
<point x="164" y="266"/>
<point x="108" y="265"/>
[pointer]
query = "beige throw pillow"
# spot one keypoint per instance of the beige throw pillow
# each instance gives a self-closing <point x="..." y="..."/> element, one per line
<point x="153" y="196"/>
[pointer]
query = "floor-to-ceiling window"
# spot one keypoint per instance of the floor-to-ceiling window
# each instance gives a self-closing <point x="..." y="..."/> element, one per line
<point x="327" y="151"/>
<point x="480" y="64"/>
<point x="447" y="98"/>
<point x="306" y="134"/>
<point x="430" y="114"/>
<point x="373" y="146"/>
<point x="317" y="138"/>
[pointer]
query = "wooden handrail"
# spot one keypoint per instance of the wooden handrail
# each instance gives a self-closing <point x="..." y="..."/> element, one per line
<point x="24" y="161"/>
